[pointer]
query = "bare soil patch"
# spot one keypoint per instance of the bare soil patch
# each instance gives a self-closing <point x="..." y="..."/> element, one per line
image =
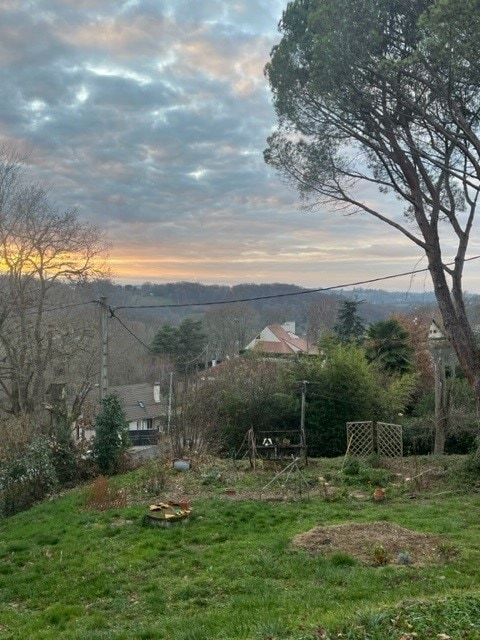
<point x="360" y="541"/>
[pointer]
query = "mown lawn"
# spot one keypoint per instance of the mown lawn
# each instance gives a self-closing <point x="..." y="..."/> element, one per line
<point x="232" y="573"/>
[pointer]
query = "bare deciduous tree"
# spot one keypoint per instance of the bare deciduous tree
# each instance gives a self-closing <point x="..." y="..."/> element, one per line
<point x="43" y="252"/>
<point x="322" y="315"/>
<point x="229" y="329"/>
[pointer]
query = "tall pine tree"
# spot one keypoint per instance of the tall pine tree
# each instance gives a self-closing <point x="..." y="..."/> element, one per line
<point x="350" y="326"/>
<point x="111" y="437"/>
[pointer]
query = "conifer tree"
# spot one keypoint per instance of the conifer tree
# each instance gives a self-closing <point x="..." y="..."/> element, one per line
<point x="111" y="439"/>
<point x="350" y="326"/>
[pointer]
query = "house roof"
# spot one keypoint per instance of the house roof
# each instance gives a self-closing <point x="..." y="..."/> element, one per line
<point x="435" y="332"/>
<point x="281" y="339"/>
<point x="138" y="400"/>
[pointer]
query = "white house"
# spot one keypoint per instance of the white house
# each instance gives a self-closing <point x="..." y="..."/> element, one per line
<point x="435" y="333"/>
<point x="281" y="339"/>
<point x="144" y="410"/>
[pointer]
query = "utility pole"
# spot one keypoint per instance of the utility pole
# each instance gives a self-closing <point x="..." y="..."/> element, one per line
<point x="103" y="348"/>
<point x="169" y="412"/>
<point x="303" y="439"/>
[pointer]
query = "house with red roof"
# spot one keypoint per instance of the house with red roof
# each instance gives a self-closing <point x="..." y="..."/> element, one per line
<point x="281" y="339"/>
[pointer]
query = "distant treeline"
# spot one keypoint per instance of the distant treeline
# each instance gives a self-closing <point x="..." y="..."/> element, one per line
<point x="274" y="302"/>
<point x="194" y="292"/>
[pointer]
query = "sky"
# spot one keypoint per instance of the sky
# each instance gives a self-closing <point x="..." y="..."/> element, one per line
<point x="151" y="117"/>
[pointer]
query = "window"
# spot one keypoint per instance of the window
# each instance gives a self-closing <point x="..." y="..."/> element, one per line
<point x="144" y="424"/>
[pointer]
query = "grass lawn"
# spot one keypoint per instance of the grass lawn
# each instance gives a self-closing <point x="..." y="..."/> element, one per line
<point x="232" y="572"/>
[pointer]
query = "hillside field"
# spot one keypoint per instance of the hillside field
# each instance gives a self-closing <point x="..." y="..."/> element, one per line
<point x="299" y="555"/>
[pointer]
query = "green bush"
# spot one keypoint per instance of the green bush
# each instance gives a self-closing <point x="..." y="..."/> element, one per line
<point x="468" y="471"/>
<point x="358" y="473"/>
<point x="212" y="477"/>
<point x="374" y="461"/>
<point x="27" y="478"/>
<point x="65" y="457"/>
<point x="111" y="440"/>
<point x="419" y="437"/>
<point x="375" y="477"/>
<point x="150" y="479"/>
<point x="351" y="467"/>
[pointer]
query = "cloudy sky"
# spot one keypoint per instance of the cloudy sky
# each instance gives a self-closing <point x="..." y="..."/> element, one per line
<point x="151" y="117"/>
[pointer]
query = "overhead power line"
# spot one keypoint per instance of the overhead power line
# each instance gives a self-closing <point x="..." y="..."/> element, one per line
<point x="282" y="295"/>
<point x="59" y="307"/>
<point x="112" y="315"/>
<point x="112" y="310"/>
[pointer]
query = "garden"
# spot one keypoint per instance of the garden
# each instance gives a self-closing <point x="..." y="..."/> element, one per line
<point x="263" y="556"/>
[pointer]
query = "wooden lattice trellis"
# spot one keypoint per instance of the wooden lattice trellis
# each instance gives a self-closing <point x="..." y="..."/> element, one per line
<point x="365" y="438"/>
<point x="389" y="440"/>
<point x="359" y="439"/>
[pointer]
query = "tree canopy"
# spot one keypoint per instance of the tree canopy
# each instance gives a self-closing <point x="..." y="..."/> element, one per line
<point x="111" y="436"/>
<point x="387" y="93"/>
<point x="184" y="344"/>
<point x="41" y="250"/>
<point x="342" y="388"/>
<point x="387" y="343"/>
<point x="350" y="326"/>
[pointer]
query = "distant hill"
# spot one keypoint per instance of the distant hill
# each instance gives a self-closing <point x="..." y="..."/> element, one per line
<point x="233" y="316"/>
<point x="400" y="300"/>
<point x="274" y="302"/>
<point x="195" y="293"/>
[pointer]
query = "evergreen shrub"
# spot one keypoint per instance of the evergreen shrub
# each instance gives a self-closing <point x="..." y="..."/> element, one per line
<point x="111" y="437"/>
<point x="27" y="478"/>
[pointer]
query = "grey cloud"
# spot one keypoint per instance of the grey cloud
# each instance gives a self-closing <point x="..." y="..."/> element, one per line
<point x="151" y="117"/>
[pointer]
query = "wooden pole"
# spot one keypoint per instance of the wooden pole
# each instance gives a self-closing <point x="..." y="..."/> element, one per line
<point x="103" y="348"/>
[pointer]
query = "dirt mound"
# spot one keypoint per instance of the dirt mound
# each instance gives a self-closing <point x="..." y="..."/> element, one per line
<point x="372" y="543"/>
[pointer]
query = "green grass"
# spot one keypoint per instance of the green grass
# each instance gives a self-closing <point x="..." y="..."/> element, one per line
<point x="231" y="573"/>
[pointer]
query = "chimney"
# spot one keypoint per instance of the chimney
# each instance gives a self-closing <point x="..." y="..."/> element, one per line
<point x="156" y="392"/>
<point x="289" y="326"/>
